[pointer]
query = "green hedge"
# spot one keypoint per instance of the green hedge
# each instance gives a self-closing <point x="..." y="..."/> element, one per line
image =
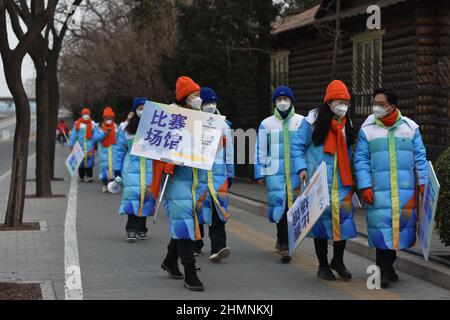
<point x="442" y="168"/>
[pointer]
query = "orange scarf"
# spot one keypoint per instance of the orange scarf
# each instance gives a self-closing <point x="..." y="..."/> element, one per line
<point x="111" y="137"/>
<point x="88" y="124"/>
<point x="336" y="142"/>
<point x="391" y="119"/>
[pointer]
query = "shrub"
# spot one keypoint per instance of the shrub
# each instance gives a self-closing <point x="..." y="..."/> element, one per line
<point x="442" y="169"/>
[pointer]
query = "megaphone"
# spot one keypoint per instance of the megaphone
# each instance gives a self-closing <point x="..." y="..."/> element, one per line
<point x="114" y="186"/>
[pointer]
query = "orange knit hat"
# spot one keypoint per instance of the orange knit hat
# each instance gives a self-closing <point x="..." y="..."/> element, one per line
<point x="337" y="90"/>
<point x="108" y="112"/>
<point x="184" y="87"/>
<point x="85" y="111"/>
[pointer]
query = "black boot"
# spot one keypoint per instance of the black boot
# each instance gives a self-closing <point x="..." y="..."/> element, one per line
<point x="385" y="260"/>
<point x="172" y="269"/>
<point x="191" y="281"/>
<point x="170" y="263"/>
<point x="385" y="279"/>
<point x="324" y="272"/>
<point x="337" y="263"/>
<point x="393" y="257"/>
<point x="393" y="277"/>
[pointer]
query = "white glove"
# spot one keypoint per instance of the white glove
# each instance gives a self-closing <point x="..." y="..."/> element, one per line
<point x="118" y="180"/>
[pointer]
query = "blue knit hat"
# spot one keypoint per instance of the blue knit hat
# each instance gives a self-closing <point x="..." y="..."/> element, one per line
<point x="283" y="91"/>
<point x="138" y="101"/>
<point x="208" y="95"/>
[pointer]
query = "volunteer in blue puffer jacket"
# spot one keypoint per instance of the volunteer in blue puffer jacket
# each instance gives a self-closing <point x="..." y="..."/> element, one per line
<point x="274" y="165"/>
<point x="327" y="134"/>
<point x="213" y="204"/>
<point x="111" y="143"/>
<point x="180" y="198"/>
<point x="138" y="202"/>
<point x="390" y="163"/>
<point x="83" y="133"/>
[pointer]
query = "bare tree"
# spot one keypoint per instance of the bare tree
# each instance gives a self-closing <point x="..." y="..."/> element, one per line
<point x="52" y="60"/>
<point x="12" y="62"/>
<point x="112" y="55"/>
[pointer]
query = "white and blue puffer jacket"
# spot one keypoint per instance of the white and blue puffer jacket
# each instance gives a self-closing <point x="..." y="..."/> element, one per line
<point x="215" y="182"/>
<point x="137" y="199"/>
<point x="88" y="145"/>
<point x="274" y="162"/>
<point x="110" y="158"/>
<point x="392" y="161"/>
<point x="337" y="222"/>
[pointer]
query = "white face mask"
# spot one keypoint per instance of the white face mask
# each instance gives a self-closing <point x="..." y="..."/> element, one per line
<point x="341" y="110"/>
<point x="139" y="113"/>
<point x="196" y="103"/>
<point x="108" y="122"/>
<point x="283" y="106"/>
<point x="86" y="117"/>
<point x="209" y="108"/>
<point x="379" y="112"/>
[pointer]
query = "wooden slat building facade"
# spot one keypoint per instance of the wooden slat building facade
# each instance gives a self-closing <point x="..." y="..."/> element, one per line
<point x="410" y="53"/>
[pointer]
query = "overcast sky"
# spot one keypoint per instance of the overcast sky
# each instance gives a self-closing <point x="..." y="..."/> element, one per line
<point x="27" y="67"/>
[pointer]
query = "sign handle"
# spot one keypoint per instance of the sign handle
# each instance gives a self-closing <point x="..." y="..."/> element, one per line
<point x="160" y="199"/>
<point x="65" y="136"/>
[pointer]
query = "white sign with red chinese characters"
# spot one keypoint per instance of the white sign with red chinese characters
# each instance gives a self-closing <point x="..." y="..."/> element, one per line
<point x="308" y="208"/>
<point x="178" y="135"/>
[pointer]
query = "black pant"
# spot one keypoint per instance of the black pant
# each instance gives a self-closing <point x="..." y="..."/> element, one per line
<point x="117" y="173"/>
<point x="217" y="233"/>
<point x="82" y="172"/>
<point x="282" y="231"/>
<point x="385" y="260"/>
<point x="321" y="246"/>
<point x="183" y="250"/>
<point x="199" y="244"/>
<point x="61" y="138"/>
<point x="136" y="224"/>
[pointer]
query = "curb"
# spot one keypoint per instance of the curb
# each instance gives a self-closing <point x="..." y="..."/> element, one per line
<point x="406" y="262"/>
<point x="47" y="290"/>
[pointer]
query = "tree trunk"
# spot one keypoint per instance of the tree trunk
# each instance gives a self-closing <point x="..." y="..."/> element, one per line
<point x="263" y="58"/>
<point x="54" y="108"/>
<point x="337" y="38"/>
<point x="16" y="199"/>
<point x="43" y="142"/>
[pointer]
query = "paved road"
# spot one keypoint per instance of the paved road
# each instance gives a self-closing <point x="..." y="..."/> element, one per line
<point x="111" y="268"/>
<point x="114" y="269"/>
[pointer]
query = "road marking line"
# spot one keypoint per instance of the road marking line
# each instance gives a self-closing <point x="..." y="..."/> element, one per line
<point x="6" y="174"/>
<point x="356" y="288"/>
<point x="73" y="286"/>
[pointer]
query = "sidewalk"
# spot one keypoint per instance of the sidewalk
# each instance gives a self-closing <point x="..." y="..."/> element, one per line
<point x="37" y="256"/>
<point x="246" y="194"/>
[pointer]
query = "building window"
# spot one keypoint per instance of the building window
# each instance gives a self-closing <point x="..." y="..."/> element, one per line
<point x="367" y="69"/>
<point x="280" y="69"/>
